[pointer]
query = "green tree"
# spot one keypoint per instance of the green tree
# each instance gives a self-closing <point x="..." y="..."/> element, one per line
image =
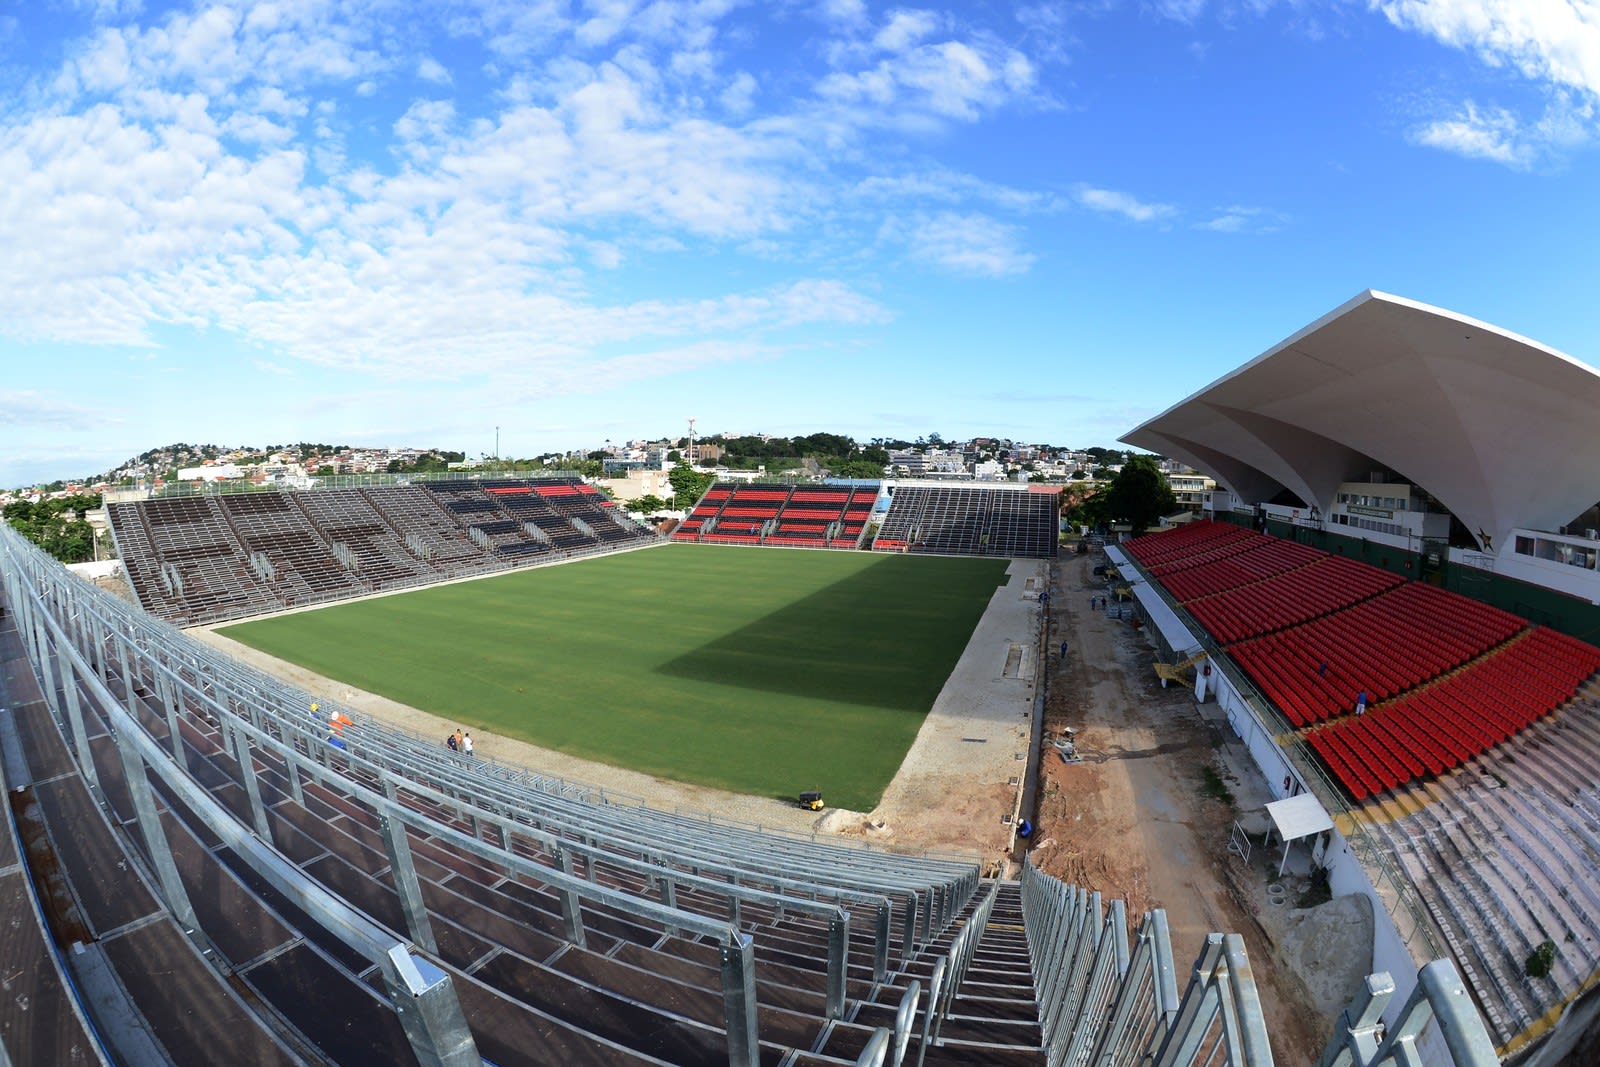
<point x="688" y="485"/>
<point x="48" y="525"/>
<point x="428" y="462"/>
<point x="875" y="454"/>
<point x="648" y="504"/>
<point x="1139" y="495"/>
<point x="859" y="468"/>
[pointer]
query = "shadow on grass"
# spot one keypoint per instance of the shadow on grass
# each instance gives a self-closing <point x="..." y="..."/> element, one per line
<point x="876" y="638"/>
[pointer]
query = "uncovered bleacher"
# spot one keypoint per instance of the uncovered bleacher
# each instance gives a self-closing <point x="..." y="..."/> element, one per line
<point x="970" y="521"/>
<point x="789" y="516"/>
<point x="205" y="559"/>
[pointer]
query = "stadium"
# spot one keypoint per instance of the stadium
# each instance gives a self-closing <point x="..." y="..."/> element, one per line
<point x="209" y="862"/>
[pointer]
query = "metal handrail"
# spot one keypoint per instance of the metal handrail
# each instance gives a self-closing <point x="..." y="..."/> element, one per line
<point x="111" y="639"/>
<point x="1360" y="1038"/>
<point x="1102" y="1005"/>
<point x="420" y="991"/>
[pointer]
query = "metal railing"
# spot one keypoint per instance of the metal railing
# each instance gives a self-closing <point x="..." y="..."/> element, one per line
<point x="1360" y="1038"/>
<point x="950" y="970"/>
<point x="1100" y="1003"/>
<point x="887" y="1046"/>
<point x="91" y="643"/>
<point x="419" y="991"/>
<point x="1105" y="1006"/>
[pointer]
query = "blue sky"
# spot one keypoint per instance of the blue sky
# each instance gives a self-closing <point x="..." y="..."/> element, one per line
<point x="376" y="222"/>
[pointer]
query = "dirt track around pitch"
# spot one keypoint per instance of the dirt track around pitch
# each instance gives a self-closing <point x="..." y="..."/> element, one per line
<point x="948" y="794"/>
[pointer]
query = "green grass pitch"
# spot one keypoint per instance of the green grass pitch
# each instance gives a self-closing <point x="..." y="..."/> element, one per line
<point x="758" y="671"/>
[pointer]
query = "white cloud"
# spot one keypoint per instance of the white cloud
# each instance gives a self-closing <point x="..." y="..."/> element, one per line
<point x="1554" y="44"/>
<point x="114" y="201"/>
<point x="1502" y="136"/>
<point x="105" y="10"/>
<point x="968" y="244"/>
<point x="257" y="129"/>
<point x="211" y="170"/>
<point x="430" y="69"/>
<point x="950" y="186"/>
<point x="605" y="255"/>
<point x="452" y="265"/>
<point x="945" y="80"/>
<point x="33" y="407"/>
<point x="1238" y="218"/>
<point x="214" y="51"/>
<point x="1557" y="41"/>
<point x="1124" y="204"/>
<point x="739" y="95"/>
<point x="905" y="29"/>
<point x="1047" y="29"/>
<point x="1227" y="222"/>
<point x="606" y="21"/>
<point x="1185" y="11"/>
<point x="847" y="13"/>
<point x="1478" y="134"/>
<point x="425" y="123"/>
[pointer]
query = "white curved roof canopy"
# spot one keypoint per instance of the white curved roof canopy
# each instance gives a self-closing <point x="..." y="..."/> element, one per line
<point x="1500" y="429"/>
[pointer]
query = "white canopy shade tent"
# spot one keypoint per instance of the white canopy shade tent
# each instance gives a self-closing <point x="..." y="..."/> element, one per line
<point x="1294" y="818"/>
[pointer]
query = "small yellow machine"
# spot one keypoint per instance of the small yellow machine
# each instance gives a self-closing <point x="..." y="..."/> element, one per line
<point x="811" y="800"/>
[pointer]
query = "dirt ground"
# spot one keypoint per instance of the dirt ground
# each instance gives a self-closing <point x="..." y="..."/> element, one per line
<point x="1133" y="820"/>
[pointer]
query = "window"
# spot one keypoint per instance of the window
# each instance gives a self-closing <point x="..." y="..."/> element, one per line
<point x="1557" y="551"/>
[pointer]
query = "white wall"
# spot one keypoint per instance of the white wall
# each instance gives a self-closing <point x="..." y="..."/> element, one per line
<point x="105" y="568"/>
<point x="1574" y="581"/>
<point x="1345" y="872"/>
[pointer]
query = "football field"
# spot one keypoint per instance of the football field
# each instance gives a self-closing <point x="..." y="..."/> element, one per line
<point x="754" y="670"/>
